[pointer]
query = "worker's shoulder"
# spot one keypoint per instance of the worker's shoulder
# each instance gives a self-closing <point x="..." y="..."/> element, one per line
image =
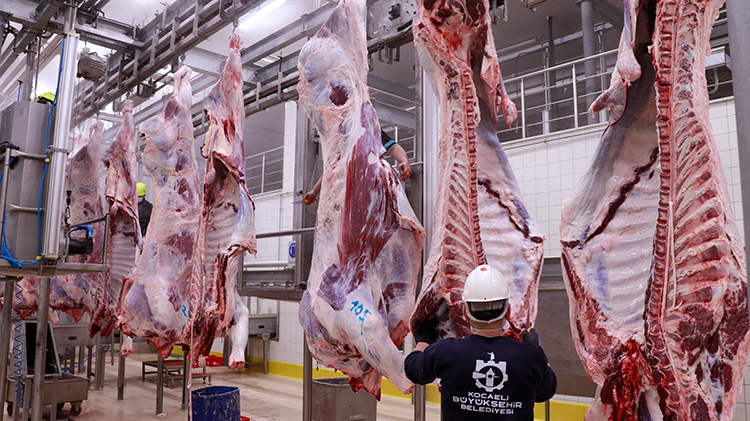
<point x="516" y="346"/>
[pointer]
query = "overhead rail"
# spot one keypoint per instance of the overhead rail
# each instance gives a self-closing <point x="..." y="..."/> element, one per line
<point x="35" y="18"/>
<point x="182" y="26"/>
<point x="276" y="82"/>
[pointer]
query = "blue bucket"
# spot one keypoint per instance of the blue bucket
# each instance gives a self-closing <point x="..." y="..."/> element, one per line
<point x="216" y="403"/>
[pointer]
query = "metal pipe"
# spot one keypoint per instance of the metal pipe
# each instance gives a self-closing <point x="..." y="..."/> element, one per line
<point x="272" y="264"/>
<point x="80" y="358"/>
<point x="37" y="387"/>
<point x="430" y="133"/>
<point x="738" y="13"/>
<point x="90" y="350"/>
<point x="160" y="385"/>
<point x="523" y="109"/>
<point x="306" y="381"/>
<point x="101" y="360"/>
<point x="300" y="231"/>
<point x="263" y="174"/>
<point x="419" y="396"/>
<point x="185" y="378"/>
<point x="62" y="142"/>
<point x="37" y="65"/>
<point x="550" y="79"/>
<point x="590" y="43"/>
<point x="120" y="371"/>
<point x="5" y="336"/>
<point x="575" y="96"/>
<point x="266" y="337"/>
<point x="28" y="79"/>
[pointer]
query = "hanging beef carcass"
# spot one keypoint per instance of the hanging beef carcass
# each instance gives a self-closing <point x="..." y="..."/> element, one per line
<point x="124" y="230"/>
<point x="227" y="225"/>
<point x="156" y="294"/>
<point x="368" y="241"/>
<point x="652" y="258"/>
<point x="86" y="204"/>
<point x="74" y="294"/>
<point x="479" y="215"/>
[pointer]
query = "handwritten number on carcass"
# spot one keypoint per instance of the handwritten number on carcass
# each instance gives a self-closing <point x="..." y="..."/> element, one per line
<point x="357" y="309"/>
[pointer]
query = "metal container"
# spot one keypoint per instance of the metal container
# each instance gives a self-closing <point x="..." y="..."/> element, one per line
<point x="334" y="400"/>
<point x="24" y="124"/>
<point x="57" y="390"/>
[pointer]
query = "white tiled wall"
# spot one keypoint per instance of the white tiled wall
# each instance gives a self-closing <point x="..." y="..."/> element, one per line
<point x="274" y="212"/>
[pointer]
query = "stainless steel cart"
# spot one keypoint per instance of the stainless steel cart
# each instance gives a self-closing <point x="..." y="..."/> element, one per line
<point x="57" y="390"/>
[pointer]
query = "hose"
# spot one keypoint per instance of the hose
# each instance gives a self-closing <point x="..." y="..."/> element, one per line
<point x="18" y="348"/>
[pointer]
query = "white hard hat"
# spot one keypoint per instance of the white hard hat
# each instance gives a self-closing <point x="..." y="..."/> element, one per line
<point x="485" y="284"/>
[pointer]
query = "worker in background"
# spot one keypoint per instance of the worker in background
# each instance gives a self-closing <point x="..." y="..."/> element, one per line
<point x="46" y="98"/>
<point x="392" y="148"/>
<point x="144" y="207"/>
<point x="485" y="376"/>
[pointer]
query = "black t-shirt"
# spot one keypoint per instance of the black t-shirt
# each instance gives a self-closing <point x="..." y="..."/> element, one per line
<point x="388" y="142"/>
<point x="144" y="214"/>
<point x="485" y="378"/>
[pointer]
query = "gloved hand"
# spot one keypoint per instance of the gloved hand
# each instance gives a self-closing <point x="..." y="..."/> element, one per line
<point x="426" y="330"/>
<point x="530" y="336"/>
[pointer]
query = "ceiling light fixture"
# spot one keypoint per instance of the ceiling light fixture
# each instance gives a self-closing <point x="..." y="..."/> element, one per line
<point x="260" y="13"/>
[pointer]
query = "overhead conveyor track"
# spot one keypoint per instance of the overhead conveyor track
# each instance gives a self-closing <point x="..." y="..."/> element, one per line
<point x="182" y="26"/>
<point x="265" y="86"/>
<point x="178" y="29"/>
<point x="35" y="19"/>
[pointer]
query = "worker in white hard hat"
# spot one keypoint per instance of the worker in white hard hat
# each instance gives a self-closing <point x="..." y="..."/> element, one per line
<point x="144" y="207"/>
<point x="485" y="376"/>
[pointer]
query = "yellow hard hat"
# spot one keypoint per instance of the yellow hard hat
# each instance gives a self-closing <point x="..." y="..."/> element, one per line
<point x="46" y="98"/>
<point x="141" y="189"/>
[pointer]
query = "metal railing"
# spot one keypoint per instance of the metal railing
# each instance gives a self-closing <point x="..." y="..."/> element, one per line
<point x="558" y="98"/>
<point x="264" y="172"/>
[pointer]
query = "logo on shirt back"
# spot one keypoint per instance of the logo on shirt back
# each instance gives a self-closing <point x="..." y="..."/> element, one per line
<point x="490" y="375"/>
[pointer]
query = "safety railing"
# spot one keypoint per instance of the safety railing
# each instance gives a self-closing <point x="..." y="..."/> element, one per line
<point x="265" y="171"/>
<point x="558" y="98"/>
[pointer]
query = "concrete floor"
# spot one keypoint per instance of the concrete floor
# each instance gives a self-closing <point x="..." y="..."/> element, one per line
<point x="262" y="397"/>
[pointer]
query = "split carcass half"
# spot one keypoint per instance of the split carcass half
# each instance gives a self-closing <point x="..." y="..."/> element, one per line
<point x="156" y="294"/>
<point x="74" y="294"/>
<point x="652" y="259"/>
<point x="479" y="214"/>
<point x="124" y="230"/>
<point x="368" y="241"/>
<point x="227" y="226"/>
